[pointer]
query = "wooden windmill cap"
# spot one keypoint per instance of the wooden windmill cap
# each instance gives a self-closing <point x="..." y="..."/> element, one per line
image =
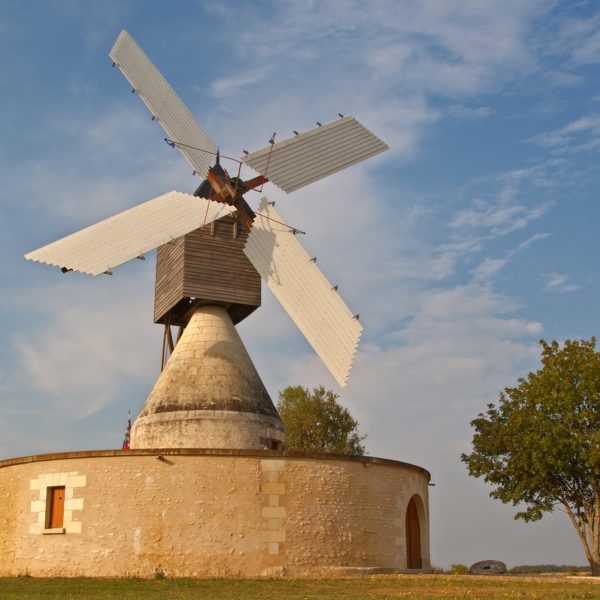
<point x="206" y="266"/>
<point x="209" y="395"/>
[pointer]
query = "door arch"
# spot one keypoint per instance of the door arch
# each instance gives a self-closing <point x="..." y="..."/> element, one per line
<point x="413" y="536"/>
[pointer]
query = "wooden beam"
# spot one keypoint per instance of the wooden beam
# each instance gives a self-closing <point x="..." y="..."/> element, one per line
<point x="169" y="338"/>
<point x="162" y="354"/>
<point x="254" y="182"/>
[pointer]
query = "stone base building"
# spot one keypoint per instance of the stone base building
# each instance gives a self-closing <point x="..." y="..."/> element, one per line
<point x="210" y="513"/>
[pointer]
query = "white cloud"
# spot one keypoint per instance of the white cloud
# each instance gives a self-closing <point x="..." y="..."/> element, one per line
<point x="454" y="355"/>
<point x="106" y="164"/>
<point x="466" y="112"/>
<point x="581" y="37"/>
<point x="497" y="218"/>
<point x="526" y="243"/>
<point x="88" y="346"/>
<point x="559" y="282"/>
<point x="580" y="135"/>
<point x="235" y="84"/>
<point x="564" y="78"/>
<point x="214" y="7"/>
<point x="447" y="48"/>
<point x="384" y="62"/>
<point x="489" y="267"/>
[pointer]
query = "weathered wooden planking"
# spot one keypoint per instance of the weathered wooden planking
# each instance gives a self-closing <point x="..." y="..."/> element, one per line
<point x="168" y="289"/>
<point x="204" y="266"/>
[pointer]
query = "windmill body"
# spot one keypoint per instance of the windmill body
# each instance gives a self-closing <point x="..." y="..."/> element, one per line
<point x="215" y="263"/>
<point x="206" y="487"/>
<point x="209" y="394"/>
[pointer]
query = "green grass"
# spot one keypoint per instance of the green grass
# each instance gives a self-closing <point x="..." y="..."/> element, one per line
<point x="414" y="587"/>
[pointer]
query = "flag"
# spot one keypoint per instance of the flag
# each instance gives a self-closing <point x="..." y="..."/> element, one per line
<point x="127" y="432"/>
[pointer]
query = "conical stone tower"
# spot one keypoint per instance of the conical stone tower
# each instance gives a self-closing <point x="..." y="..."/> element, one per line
<point x="209" y="395"/>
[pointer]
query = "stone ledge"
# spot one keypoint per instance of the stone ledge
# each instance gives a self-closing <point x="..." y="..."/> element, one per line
<point x="54" y="531"/>
<point x="259" y="454"/>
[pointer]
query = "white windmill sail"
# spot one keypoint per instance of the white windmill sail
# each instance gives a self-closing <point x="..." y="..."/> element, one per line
<point x="131" y="233"/>
<point x="315" y="154"/>
<point x="311" y="301"/>
<point x="164" y="104"/>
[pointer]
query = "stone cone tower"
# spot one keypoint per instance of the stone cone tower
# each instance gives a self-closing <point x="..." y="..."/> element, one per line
<point x="209" y="394"/>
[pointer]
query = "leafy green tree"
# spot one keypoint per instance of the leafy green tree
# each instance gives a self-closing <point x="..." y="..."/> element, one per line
<point x="540" y="447"/>
<point x="315" y="421"/>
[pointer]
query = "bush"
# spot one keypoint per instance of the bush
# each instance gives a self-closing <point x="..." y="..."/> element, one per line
<point x="459" y="569"/>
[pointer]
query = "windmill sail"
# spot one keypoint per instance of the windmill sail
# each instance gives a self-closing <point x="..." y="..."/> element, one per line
<point x="129" y="234"/>
<point x="310" y="300"/>
<point x="164" y="104"/>
<point x="315" y="154"/>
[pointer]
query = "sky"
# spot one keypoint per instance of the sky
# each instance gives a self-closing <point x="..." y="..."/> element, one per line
<point x="461" y="247"/>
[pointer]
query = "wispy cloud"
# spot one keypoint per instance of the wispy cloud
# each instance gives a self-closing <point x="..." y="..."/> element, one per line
<point x="526" y="243"/>
<point x="490" y="267"/>
<point x="466" y="112"/>
<point x="384" y="62"/>
<point x="581" y="36"/>
<point x="234" y="84"/>
<point x="497" y="218"/>
<point x="95" y="171"/>
<point x="580" y="135"/>
<point x="559" y="282"/>
<point x="565" y="78"/>
<point x="76" y="361"/>
<point x="420" y="43"/>
<point x="214" y="7"/>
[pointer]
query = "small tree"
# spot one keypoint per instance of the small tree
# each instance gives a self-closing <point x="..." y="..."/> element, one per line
<point x="315" y="421"/>
<point x="540" y="446"/>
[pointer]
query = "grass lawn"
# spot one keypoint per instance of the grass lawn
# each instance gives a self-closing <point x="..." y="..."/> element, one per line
<point x="421" y="587"/>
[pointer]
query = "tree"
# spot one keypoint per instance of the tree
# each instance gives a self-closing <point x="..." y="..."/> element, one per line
<point x="540" y="447"/>
<point x="315" y="421"/>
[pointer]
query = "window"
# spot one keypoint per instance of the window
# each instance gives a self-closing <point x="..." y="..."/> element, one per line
<point x="268" y="443"/>
<point x="55" y="507"/>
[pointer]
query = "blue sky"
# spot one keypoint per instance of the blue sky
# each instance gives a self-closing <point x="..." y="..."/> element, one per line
<point x="461" y="247"/>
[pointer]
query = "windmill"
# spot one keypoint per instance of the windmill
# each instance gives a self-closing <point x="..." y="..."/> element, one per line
<point x="212" y="251"/>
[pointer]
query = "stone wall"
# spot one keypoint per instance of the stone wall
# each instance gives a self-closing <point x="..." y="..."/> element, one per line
<point x="209" y="395"/>
<point x="208" y="513"/>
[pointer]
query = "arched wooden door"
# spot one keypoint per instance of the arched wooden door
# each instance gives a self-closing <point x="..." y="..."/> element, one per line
<point x="413" y="536"/>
